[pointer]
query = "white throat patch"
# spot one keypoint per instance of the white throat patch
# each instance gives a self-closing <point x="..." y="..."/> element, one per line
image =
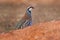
<point x="30" y="9"/>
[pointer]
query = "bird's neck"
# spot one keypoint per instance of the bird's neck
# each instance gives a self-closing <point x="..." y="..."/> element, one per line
<point x="28" y="12"/>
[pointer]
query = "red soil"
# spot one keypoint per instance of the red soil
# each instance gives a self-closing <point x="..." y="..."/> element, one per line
<point x="42" y="31"/>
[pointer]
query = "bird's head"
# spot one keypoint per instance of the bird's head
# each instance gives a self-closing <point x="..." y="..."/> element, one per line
<point x="30" y="8"/>
<point x="28" y="11"/>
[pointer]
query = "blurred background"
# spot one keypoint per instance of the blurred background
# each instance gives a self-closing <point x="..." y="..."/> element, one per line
<point x="11" y="11"/>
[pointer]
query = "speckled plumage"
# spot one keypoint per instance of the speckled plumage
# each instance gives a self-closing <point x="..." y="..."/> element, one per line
<point x="26" y="20"/>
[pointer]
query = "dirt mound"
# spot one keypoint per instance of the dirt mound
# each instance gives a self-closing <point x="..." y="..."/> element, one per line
<point x="42" y="31"/>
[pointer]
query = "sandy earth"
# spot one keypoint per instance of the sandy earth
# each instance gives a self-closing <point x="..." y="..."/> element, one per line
<point x="41" y="31"/>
